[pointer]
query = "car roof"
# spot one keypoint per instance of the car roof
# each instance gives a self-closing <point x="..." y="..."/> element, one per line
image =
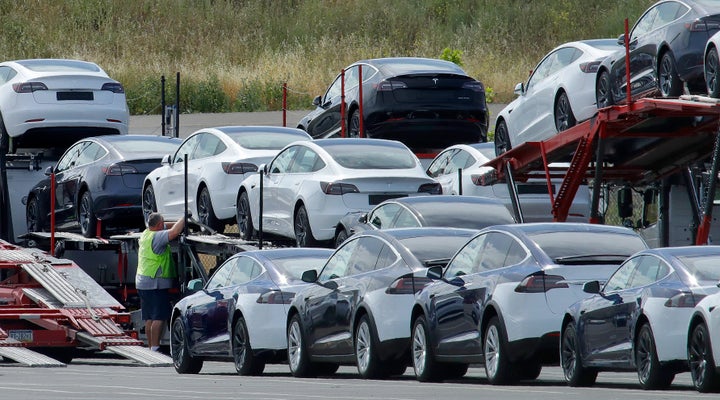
<point x="441" y="209"/>
<point x="259" y="128"/>
<point x="684" y="251"/>
<point x="358" y="142"/>
<point x="38" y="65"/>
<point x="273" y="254"/>
<point x="407" y="233"/>
<point x="394" y="66"/>
<point x="540" y="227"/>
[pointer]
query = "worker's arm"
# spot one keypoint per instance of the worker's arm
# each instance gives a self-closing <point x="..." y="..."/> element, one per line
<point x="176" y="229"/>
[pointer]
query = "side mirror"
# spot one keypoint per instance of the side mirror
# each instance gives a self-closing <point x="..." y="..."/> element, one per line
<point x="621" y="40"/>
<point x="48" y="171"/>
<point x="434" y="272"/>
<point x="316" y="101"/>
<point x="195" y="285"/>
<point x="263" y="168"/>
<point x="625" y="202"/>
<point x="165" y="160"/>
<point x="309" y="276"/>
<point x="592" y="287"/>
<point x="519" y="89"/>
<point x="363" y="219"/>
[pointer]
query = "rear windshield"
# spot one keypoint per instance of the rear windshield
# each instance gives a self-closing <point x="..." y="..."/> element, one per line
<point x="426" y="248"/>
<point x="703" y="268"/>
<point x="294" y="267"/>
<point x="587" y="246"/>
<point x="59" y="65"/>
<point x="264" y="140"/>
<point x="145" y="146"/>
<point x="372" y="156"/>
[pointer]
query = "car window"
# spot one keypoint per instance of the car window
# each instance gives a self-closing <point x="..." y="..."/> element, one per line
<point x="516" y="253"/>
<point x="90" y="153"/>
<point x="371" y="155"/>
<point x="621" y="278"/>
<point x="365" y="255"/>
<point x="650" y="269"/>
<point x="495" y="252"/>
<point x="382" y="216"/>
<point x="541" y="71"/>
<point x="221" y="276"/>
<point x="386" y="258"/>
<point x="437" y="167"/>
<point x="6" y="73"/>
<point x="668" y="12"/>
<point x="333" y="91"/>
<point x="466" y="260"/>
<point x="209" y="146"/>
<point x="702" y="267"/>
<point x="186" y="148"/>
<point x="645" y="23"/>
<point x="405" y="219"/>
<point x="368" y="72"/>
<point x="565" y="57"/>
<point x="244" y="270"/>
<point x="351" y="77"/>
<point x="306" y="161"/>
<point x="69" y="159"/>
<point x="461" y="159"/>
<point x="281" y="163"/>
<point x="338" y="264"/>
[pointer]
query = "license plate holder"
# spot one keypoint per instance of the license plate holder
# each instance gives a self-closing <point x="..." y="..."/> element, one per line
<point x="21" y="335"/>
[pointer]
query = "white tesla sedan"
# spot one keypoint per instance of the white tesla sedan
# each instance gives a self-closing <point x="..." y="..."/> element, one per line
<point x="218" y="160"/>
<point x="57" y="98"/>
<point x="559" y="92"/>
<point x="310" y="186"/>
<point x="533" y="194"/>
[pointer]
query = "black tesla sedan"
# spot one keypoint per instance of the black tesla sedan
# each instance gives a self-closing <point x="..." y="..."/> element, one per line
<point x="98" y="178"/>
<point x="666" y="52"/>
<point x="428" y="104"/>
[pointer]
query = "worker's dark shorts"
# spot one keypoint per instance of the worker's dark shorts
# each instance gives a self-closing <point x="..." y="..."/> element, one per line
<point x="155" y="304"/>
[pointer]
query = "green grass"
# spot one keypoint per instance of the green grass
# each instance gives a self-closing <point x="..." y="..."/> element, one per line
<point x="234" y="55"/>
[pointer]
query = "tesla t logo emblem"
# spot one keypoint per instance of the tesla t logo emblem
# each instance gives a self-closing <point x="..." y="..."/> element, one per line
<point x="435" y="81"/>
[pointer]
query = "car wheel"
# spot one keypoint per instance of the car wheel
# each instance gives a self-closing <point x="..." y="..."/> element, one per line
<point x="603" y="91"/>
<point x="502" y="138"/>
<point x="700" y="357"/>
<point x="86" y="216"/>
<point x="303" y="232"/>
<point x="668" y="80"/>
<point x="366" y="350"/>
<point x="206" y="214"/>
<point x="180" y="352"/>
<point x="33" y="216"/>
<point x="243" y="217"/>
<point x="712" y="73"/>
<point x="298" y="357"/>
<point x="497" y="366"/>
<point x="650" y="373"/>
<point x="245" y="362"/>
<point x="341" y="237"/>
<point x="564" y="117"/>
<point x="354" y="125"/>
<point x="570" y="361"/>
<point x="148" y="202"/>
<point x="424" y="364"/>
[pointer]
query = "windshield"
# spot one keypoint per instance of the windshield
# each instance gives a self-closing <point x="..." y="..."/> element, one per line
<point x="372" y="156"/>
<point x="433" y="248"/>
<point x="578" y="246"/>
<point x="264" y="140"/>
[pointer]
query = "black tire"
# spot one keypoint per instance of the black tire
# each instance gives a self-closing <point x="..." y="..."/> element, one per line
<point x="651" y="374"/>
<point x="342" y="236"/>
<point x="700" y="358"/>
<point x="303" y="232"/>
<point x="245" y="361"/>
<point x="298" y="357"/>
<point x="528" y="370"/>
<point x="502" y="138"/>
<point x="395" y="368"/>
<point x="33" y="216"/>
<point x="244" y="217"/>
<point x="712" y="73"/>
<point x="86" y="216"/>
<point x="325" y="369"/>
<point x="570" y="361"/>
<point x="454" y="371"/>
<point x="367" y="357"/>
<point x="669" y="82"/>
<point x="354" y="125"/>
<point x="564" y="117"/>
<point x="423" y="357"/>
<point x="183" y="362"/>
<point x="149" y="205"/>
<point x="498" y="367"/>
<point x="603" y="91"/>
<point x="206" y="214"/>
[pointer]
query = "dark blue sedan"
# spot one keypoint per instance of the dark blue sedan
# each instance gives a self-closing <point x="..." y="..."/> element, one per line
<point x="639" y="319"/>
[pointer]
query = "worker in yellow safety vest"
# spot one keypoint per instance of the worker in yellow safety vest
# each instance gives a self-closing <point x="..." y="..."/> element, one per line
<point x="155" y="275"/>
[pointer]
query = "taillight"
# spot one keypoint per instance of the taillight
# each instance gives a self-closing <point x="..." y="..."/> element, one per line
<point x="276" y="297"/>
<point x="238" y="167"/>
<point x="684" y="300"/>
<point x="590" y="67"/>
<point x="475" y="86"/>
<point x="432" y="188"/>
<point x="538" y="283"/>
<point x="387" y="86"/>
<point x="119" y="169"/>
<point x="485" y="179"/>
<point x="404" y="285"/>
<point x="113" y="87"/>
<point x="696" y="26"/>
<point x="28" y="87"/>
<point x="336" y="188"/>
